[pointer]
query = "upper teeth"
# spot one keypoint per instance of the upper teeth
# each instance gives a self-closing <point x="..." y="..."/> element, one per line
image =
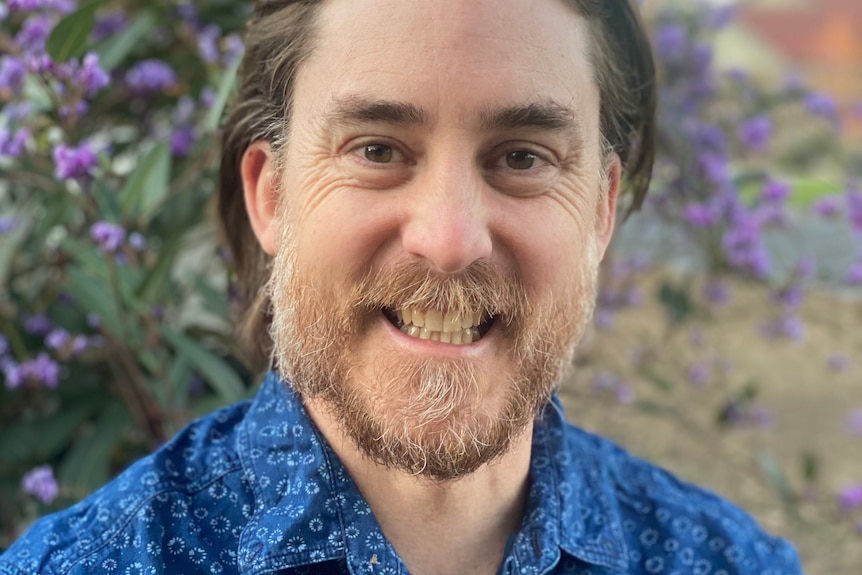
<point x="448" y="327"/>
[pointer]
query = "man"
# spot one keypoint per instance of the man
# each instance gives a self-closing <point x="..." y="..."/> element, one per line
<point x="426" y="190"/>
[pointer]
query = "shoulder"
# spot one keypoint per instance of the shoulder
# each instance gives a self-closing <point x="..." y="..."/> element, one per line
<point x="170" y="494"/>
<point x="669" y="524"/>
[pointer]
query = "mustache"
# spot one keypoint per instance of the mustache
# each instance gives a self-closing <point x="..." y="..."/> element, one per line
<point x="482" y="286"/>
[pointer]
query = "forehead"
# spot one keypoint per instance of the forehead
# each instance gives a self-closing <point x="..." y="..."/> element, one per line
<point x="450" y="57"/>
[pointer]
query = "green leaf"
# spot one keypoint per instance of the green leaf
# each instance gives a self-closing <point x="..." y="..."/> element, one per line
<point x="94" y="296"/>
<point x="157" y="281"/>
<point x="148" y="185"/>
<point x="212" y="368"/>
<point x="676" y="302"/>
<point x="771" y="469"/>
<point x="69" y="37"/>
<point x="40" y="440"/>
<point x="213" y="300"/>
<point x="88" y="464"/>
<point x="225" y="87"/>
<point x="115" y="49"/>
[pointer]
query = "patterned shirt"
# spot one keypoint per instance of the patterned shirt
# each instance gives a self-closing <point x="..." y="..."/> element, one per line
<point x="254" y="489"/>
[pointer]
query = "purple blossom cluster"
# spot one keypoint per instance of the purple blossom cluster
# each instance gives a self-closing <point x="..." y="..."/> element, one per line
<point x="42" y="372"/>
<point x="72" y="162"/>
<point x="109" y="237"/>
<point x="605" y="383"/>
<point x="41" y="484"/>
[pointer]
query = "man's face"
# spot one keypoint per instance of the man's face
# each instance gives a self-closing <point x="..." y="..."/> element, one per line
<point x="444" y="206"/>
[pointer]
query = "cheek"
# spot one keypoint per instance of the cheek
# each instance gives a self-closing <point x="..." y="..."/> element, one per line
<point x="338" y="230"/>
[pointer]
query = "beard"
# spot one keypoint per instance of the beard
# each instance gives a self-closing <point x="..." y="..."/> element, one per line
<point x="438" y="418"/>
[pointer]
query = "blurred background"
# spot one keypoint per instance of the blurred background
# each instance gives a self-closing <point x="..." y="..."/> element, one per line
<point x="727" y="343"/>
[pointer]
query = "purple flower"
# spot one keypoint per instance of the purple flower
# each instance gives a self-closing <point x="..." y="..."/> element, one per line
<point x="37" y="324"/>
<point x="74" y="162"/>
<point x="137" y="241"/>
<point x="788" y="325"/>
<point x="31" y="38"/>
<point x="57" y="339"/>
<point x="854" y="422"/>
<point x="79" y="344"/>
<point x="12" y="72"/>
<point x="12" y="374"/>
<point x="790" y="296"/>
<point x="93" y="320"/>
<point x="61" y="6"/>
<point x="775" y="191"/>
<point x="233" y="48"/>
<point x="625" y="394"/>
<point x="208" y="97"/>
<point x="40" y="483"/>
<point x="828" y="206"/>
<point x="17" y="111"/>
<point x="838" y="362"/>
<point x="823" y="105"/>
<point x="91" y="75"/>
<point x="604" y="381"/>
<point x="182" y="140"/>
<point x="854" y="274"/>
<point x="108" y="25"/>
<point x="43" y="370"/>
<point x="24" y="5"/>
<point x="149" y="76"/>
<point x="699" y="215"/>
<point x="670" y="41"/>
<point x="698" y="375"/>
<point x="715" y="167"/>
<point x="108" y="236"/>
<point x="854" y="209"/>
<point x="755" y="133"/>
<point x="13" y="145"/>
<point x="605" y="318"/>
<point x="716" y="292"/>
<point x="208" y="43"/>
<point x="850" y="498"/>
<point x="8" y="224"/>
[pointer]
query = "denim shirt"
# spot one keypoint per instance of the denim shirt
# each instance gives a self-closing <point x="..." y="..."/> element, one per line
<point x="254" y="488"/>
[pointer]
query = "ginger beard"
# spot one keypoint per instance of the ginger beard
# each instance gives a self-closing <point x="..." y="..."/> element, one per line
<point x="429" y="417"/>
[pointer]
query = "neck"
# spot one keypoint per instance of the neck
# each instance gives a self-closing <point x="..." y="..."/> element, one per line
<point x="466" y="521"/>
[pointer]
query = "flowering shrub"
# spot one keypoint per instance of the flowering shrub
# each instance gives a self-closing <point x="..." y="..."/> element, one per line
<point x="114" y="311"/>
<point x="732" y="185"/>
<point x="115" y="327"/>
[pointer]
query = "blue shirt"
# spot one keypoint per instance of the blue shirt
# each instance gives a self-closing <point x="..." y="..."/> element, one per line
<point x="254" y="489"/>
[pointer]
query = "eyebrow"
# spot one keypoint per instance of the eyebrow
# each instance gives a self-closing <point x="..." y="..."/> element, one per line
<point x="358" y="110"/>
<point x="550" y="116"/>
<point x="545" y="115"/>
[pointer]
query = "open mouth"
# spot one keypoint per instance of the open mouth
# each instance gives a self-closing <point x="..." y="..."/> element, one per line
<point x="446" y="327"/>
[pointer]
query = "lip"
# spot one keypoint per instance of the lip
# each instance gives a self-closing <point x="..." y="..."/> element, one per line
<point x="427" y="347"/>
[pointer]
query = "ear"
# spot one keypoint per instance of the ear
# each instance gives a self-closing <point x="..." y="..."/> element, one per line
<point x="606" y="209"/>
<point x="261" y="194"/>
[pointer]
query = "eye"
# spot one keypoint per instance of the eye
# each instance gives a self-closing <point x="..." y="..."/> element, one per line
<point x="521" y="160"/>
<point x="378" y="153"/>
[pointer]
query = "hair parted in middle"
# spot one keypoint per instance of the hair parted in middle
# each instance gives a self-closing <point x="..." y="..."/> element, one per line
<point x="279" y="36"/>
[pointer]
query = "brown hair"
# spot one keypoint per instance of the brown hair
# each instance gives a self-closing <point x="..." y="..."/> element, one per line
<point x="278" y="38"/>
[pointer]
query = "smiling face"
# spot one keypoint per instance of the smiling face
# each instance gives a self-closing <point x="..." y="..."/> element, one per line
<point x="442" y="206"/>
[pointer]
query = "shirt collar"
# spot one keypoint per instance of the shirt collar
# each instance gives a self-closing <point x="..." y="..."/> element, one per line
<point x="301" y="487"/>
<point x="571" y="483"/>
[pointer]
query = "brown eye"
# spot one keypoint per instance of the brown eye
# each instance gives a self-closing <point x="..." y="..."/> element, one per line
<point x="378" y="153"/>
<point x="520" y="160"/>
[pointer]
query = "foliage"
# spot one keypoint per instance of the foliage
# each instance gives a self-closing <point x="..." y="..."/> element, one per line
<point x="115" y="306"/>
<point x="115" y="324"/>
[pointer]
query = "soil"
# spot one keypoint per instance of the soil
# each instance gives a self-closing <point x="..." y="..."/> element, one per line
<point x="797" y="421"/>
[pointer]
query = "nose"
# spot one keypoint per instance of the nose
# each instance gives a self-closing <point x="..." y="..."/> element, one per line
<point x="448" y="222"/>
